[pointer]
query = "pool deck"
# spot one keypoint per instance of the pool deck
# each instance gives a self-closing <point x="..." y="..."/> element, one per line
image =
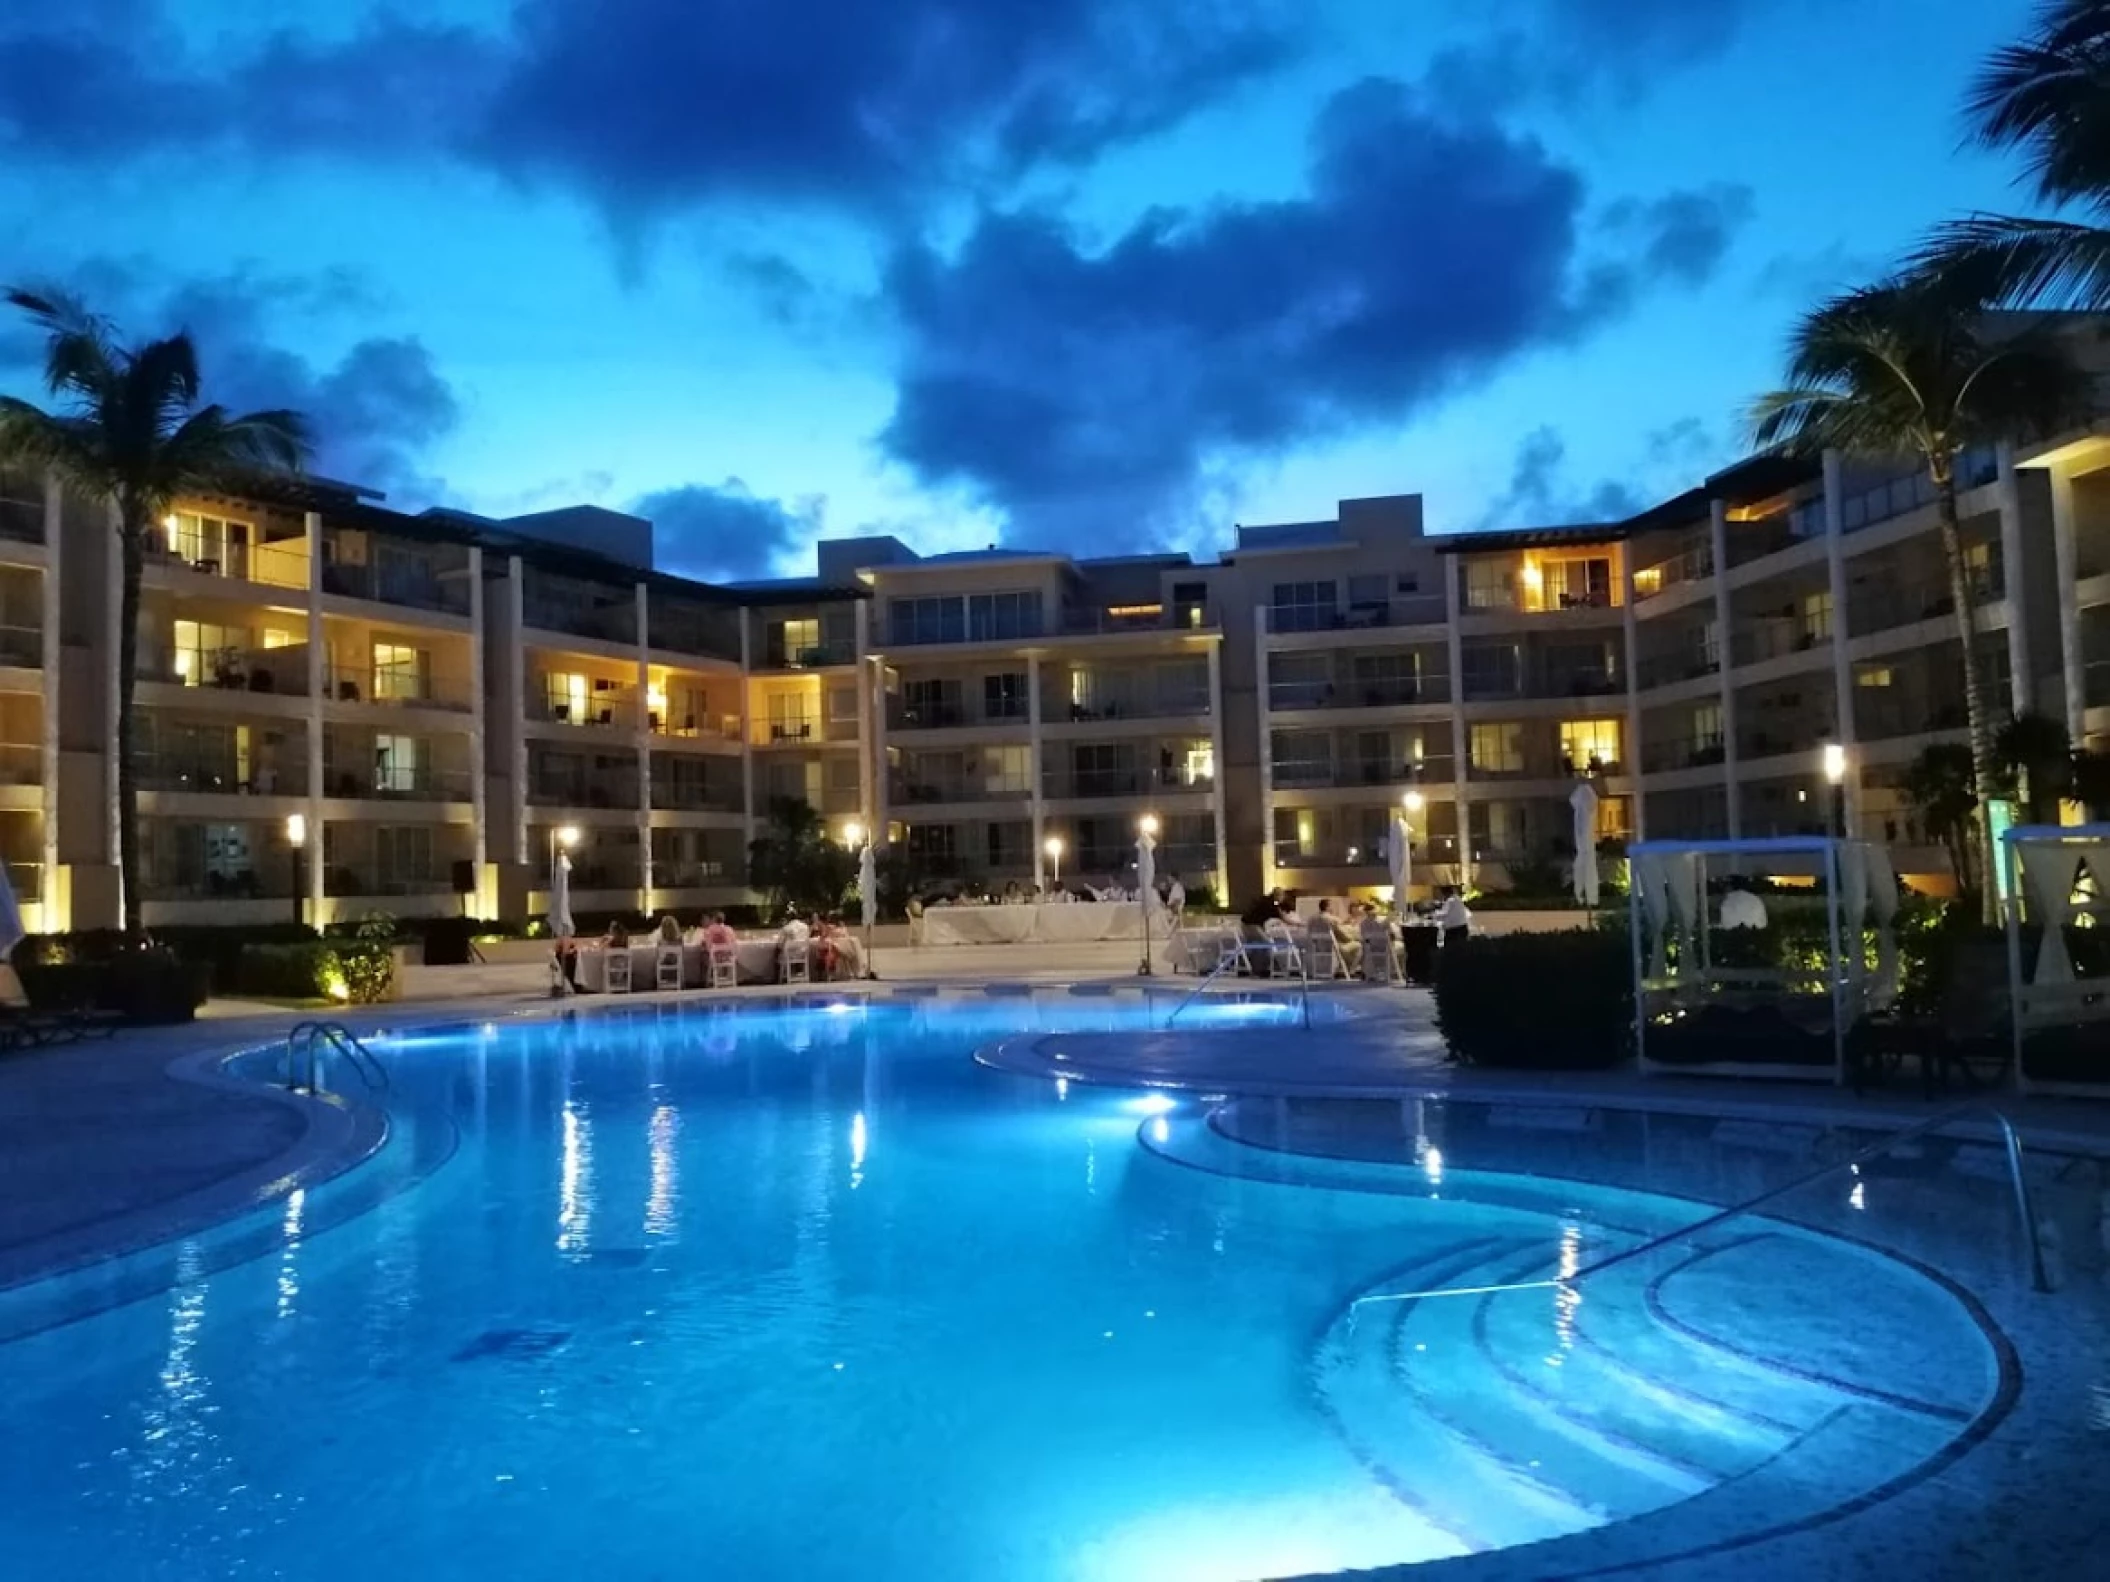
<point x="108" y="1146"/>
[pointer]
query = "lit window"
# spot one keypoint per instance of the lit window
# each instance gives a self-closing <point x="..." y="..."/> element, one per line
<point x="1498" y="748"/>
<point x="1584" y="742"/>
<point x="1874" y="676"/>
<point x="396" y="764"/>
<point x="565" y="693"/>
<point x="399" y="671"/>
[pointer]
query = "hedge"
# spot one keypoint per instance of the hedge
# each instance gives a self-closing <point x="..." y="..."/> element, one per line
<point x="354" y="971"/>
<point x="1541" y="1002"/>
<point x="145" y="986"/>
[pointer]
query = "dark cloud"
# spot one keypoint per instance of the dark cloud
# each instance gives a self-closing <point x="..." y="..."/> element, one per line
<point x="1569" y="50"/>
<point x="1085" y="392"/>
<point x="727" y="533"/>
<point x="656" y="104"/>
<point x="376" y="410"/>
<point x="1685" y="235"/>
<point x="1539" y="494"/>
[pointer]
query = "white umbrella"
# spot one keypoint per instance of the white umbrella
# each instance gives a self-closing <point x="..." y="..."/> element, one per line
<point x="1399" y="857"/>
<point x="1584" y="800"/>
<point x="868" y="885"/>
<point x="560" y="924"/>
<point x="1147" y="868"/>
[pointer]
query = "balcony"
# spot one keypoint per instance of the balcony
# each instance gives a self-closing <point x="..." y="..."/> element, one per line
<point x="696" y="727"/>
<point x="1293" y="853"/>
<point x="279" y="671"/>
<point x="1396" y="692"/>
<point x="686" y="795"/>
<point x="1757" y="641"/>
<point x="568" y="785"/>
<point x="606" y="707"/>
<point x="22" y="646"/>
<point x="612" y="621"/>
<point x="22" y="509"/>
<point x="1536" y="680"/>
<point x="1392" y="774"/>
<point x="1668" y="670"/>
<point x="945" y="714"/>
<point x="909" y="789"/>
<point x="21" y="764"/>
<point x="706" y="632"/>
<point x="810" y="656"/>
<point x="365" y="878"/>
<point x="702" y="874"/>
<point x="1138" y="704"/>
<point x="789" y="730"/>
<point x="1691" y="565"/>
<point x="282" y="565"/>
<point x="1880" y="604"/>
<point x="1418" y="609"/>
<point x="381" y="570"/>
<point x="1142" y="618"/>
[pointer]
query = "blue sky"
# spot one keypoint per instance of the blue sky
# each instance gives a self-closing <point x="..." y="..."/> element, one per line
<point x="1091" y="273"/>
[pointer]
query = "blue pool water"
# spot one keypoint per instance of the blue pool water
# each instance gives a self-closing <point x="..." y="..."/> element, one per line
<point x="805" y="1293"/>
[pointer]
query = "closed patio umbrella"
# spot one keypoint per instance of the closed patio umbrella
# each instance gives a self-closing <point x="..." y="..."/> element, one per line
<point x="868" y="886"/>
<point x="1399" y="857"/>
<point x="1584" y="800"/>
<point x="560" y="924"/>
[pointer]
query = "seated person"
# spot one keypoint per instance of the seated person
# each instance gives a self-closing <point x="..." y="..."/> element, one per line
<point x="1175" y="898"/>
<point x="846" y="948"/>
<point x="717" y="932"/>
<point x="617" y="937"/>
<point x="1346" y="940"/>
<point x="1268" y="909"/>
<point x="795" y="928"/>
<point x="669" y="930"/>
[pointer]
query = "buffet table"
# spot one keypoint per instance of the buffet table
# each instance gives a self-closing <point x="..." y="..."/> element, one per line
<point x="1057" y="923"/>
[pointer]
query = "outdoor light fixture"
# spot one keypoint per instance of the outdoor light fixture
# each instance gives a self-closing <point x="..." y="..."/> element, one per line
<point x="1148" y="824"/>
<point x="1835" y="773"/>
<point x="1053" y="847"/>
<point x="568" y="836"/>
<point x="1413" y="802"/>
<point x="853" y="834"/>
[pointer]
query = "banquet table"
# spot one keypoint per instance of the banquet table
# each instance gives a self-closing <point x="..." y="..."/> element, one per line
<point x="1056" y="923"/>
<point x="757" y="964"/>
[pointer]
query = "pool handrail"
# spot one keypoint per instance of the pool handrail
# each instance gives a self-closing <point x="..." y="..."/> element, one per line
<point x="2040" y="1274"/>
<point x="310" y="1037"/>
<point x="1237" y="958"/>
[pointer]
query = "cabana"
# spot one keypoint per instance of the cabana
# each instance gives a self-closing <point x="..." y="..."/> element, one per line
<point x="1776" y="1000"/>
<point x="2058" y="888"/>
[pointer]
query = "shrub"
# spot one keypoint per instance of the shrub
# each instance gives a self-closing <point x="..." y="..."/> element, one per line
<point x="144" y="986"/>
<point x="1543" y="1002"/>
<point x="348" y="971"/>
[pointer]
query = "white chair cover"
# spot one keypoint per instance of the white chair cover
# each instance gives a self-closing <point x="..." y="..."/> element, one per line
<point x="618" y="971"/>
<point x="797" y="963"/>
<point x="725" y="966"/>
<point x="669" y="967"/>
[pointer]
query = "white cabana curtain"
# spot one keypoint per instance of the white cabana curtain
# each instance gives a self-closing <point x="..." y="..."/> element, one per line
<point x="1399" y="857"/>
<point x="1668" y="885"/>
<point x="2049" y="873"/>
<point x="1687" y="904"/>
<point x="1583" y="799"/>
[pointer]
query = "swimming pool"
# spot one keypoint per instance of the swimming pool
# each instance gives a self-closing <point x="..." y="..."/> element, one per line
<point x="803" y="1292"/>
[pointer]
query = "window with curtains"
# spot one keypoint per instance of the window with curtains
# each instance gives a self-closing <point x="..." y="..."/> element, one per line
<point x="1498" y="748"/>
<point x="1588" y="742"/>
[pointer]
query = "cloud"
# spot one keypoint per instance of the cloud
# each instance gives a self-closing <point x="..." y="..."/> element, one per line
<point x="727" y="533"/>
<point x="656" y="105"/>
<point x="1538" y="494"/>
<point x="375" y="411"/>
<point x="1084" y="392"/>
<point x="1562" y="51"/>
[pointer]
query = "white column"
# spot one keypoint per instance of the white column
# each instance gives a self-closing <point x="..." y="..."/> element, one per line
<point x="641" y="739"/>
<point x="2066" y="564"/>
<point x="113" y="605"/>
<point x="867" y="802"/>
<point x="479" y="788"/>
<point x="747" y="730"/>
<point x="882" y="814"/>
<point x="516" y="707"/>
<point x="1842" y="635"/>
<point x="1216" y="757"/>
<point x="1725" y="656"/>
<point x="56" y="910"/>
<point x="2008" y="489"/>
<point x="1630" y="627"/>
<point x="1461" y="739"/>
<point x="318" y="687"/>
<point x="1263" y="708"/>
<point x="1034" y="767"/>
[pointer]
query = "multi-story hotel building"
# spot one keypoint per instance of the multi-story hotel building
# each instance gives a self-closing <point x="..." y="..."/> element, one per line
<point x="444" y="699"/>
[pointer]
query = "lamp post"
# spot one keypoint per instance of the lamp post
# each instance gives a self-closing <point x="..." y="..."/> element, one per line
<point x="1835" y="774"/>
<point x="296" y="839"/>
<point x="1147" y="826"/>
<point x="1053" y="847"/>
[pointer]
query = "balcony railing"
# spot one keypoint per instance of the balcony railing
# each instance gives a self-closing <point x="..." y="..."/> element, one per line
<point x="615" y="622"/>
<point x="1877" y="718"/>
<point x="1692" y="565"/>
<point x="1534" y="681"/>
<point x="1417" y="609"/>
<point x="1667" y="670"/>
<point x="908" y="789"/>
<point x="26" y="877"/>
<point x="410" y="582"/>
<point x="1880" y="604"/>
<point x="689" y="796"/>
<point x="552" y="787"/>
<point x="788" y="730"/>
<point x="1318" y="774"/>
<point x="1755" y="642"/>
<point x="1086" y="783"/>
<point x="944" y="715"/>
<point x="405" y="688"/>
<point x="178" y="881"/>
<point x="810" y="656"/>
<point x="1398" y="692"/>
<point x="22" y="645"/>
<point x="1172" y="704"/>
<point x="272" y="565"/>
<point x="696" y="727"/>
<point x="1786" y="741"/>
<point x="607" y="708"/>
<point x="699" y="875"/>
<point x="341" y="878"/>
<point x="399" y="785"/>
<point x="218" y="774"/>
<point x="1333" y="853"/>
<point x="1665" y="754"/>
<point x="1076" y="622"/>
<point x="281" y="671"/>
<point x="21" y="764"/>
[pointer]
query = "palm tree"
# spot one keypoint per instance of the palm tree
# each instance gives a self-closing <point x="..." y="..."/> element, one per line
<point x="1914" y="367"/>
<point x="128" y="431"/>
<point x="2047" y="98"/>
<point x="2036" y="750"/>
<point x="1937" y="784"/>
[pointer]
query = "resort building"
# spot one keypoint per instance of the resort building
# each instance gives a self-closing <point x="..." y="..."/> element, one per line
<point x="344" y="709"/>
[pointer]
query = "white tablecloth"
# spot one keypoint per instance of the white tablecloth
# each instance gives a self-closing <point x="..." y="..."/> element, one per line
<point x="1076" y="923"/>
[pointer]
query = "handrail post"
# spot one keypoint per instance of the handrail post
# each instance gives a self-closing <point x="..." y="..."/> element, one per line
<point x="2040" y="1276"/>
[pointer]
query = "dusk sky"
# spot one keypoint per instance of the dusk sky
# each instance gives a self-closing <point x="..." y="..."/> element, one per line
<point x="1091" y="274"/>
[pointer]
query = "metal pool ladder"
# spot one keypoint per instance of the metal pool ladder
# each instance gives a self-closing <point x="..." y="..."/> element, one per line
<point x="307" y="1042"/>
<point x="2040" y="1274"/>
<point x="1229" y="963"/>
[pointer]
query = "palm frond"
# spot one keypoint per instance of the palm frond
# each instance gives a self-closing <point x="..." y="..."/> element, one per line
<point x="2057" y="264"/>
<point x="2049" y="97"/>
<point x="38" y="441"/>
<point x="212" y="448"/>
<point x="80" y="355"/>
<point x="162" y="377"/>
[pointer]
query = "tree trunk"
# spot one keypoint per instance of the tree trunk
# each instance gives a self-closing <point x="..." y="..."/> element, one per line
<point x="1975" y="710"/>
<point x="131" y="539"/>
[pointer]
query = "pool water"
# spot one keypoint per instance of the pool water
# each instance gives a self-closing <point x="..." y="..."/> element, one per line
<point x="806" y="1293"/>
